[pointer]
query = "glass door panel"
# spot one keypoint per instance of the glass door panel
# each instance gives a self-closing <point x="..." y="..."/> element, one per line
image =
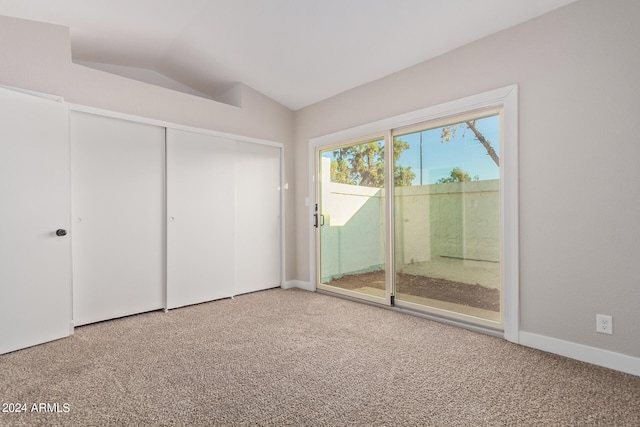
<point x="447" y="243"/>
<point x="350" y="219"/>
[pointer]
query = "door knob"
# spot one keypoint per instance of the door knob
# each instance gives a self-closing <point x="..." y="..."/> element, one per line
<point x="61" y="232"/>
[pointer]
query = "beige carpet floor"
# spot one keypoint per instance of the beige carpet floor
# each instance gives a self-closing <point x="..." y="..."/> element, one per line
<point x="292" y="357"/>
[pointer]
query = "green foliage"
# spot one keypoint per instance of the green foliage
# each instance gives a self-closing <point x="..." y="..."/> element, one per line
<point x="363" y="164"/>
<point x="457" y="175"/>
<point x="402" y="176"/>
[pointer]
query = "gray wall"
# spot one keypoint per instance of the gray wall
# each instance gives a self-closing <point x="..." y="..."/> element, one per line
<point x="37" y="56"/>
<point x="579" y="99"/>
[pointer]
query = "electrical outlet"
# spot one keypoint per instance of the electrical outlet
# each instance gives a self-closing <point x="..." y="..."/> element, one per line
<point x="604" y="324"/>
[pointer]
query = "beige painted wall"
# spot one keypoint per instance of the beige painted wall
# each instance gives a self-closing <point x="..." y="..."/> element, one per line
<point x="577" y="69"/>
<point x="37" y="57"/>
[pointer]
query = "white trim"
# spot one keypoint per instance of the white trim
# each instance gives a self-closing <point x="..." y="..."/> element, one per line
<point x="284" y="186"/>
<point x="56" y="98"/>
<point x="310" y="211"/>
<point x="505" y="97"/>
<point x="509" y="205"/>
<point x="298" y="284"/>
<point x="389" y="215"/>
<point x="493" y="98"/>
<point x="584" y="353"/>
<point x="170" y="125"/>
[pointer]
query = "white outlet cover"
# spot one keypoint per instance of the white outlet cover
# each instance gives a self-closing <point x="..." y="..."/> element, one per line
<point x="604" y="324"/>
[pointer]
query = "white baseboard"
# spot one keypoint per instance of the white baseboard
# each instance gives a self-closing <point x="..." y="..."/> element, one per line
<point x="307" y="286"/>
<point x="596" y="356"/>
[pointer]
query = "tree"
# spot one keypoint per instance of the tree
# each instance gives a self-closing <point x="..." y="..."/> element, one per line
<point x="457" y="175"/>
<point x="363" y="164"/>
<point x="449" y="132"/>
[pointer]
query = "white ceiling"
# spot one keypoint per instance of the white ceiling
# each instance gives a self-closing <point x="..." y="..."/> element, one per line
<point x="297" y="52"/>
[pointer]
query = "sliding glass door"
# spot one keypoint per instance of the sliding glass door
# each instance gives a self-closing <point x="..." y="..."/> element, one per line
<point x="436" y="247"/>
<point x="447" y="243"/>
<point x="350" y="220"/>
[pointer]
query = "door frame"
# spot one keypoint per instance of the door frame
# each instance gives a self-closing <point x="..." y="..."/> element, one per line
<point x="505" y="98"/>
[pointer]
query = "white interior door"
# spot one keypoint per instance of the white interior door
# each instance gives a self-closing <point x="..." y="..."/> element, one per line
<point x="257" y="214"/>
<point x="35" y="264"/>
<point x="200" y="211"/>
<point x="118" y="217"/>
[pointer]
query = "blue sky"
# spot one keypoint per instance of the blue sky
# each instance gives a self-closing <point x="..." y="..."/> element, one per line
<point x="440" y="158"/>
<point x="465" y="152"/>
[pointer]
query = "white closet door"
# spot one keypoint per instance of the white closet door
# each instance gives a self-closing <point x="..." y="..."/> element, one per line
<point x="258" y="236"/>
<point x="200" y="211"/>
<point x="35" y="263"/>
<point x="118" y="217"/>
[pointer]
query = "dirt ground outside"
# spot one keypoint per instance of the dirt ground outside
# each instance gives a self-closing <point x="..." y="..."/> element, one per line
<point x="472" y="295"/>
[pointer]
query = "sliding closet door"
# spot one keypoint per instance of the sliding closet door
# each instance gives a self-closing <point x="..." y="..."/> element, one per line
<point x="200" y="211"/>
<point x="257" y="213"/>
<point x="35" y="261"/>
<point x="118" y="217"/>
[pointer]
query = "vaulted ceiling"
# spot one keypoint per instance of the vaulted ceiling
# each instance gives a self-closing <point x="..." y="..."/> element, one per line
<point x="297" y="52"/>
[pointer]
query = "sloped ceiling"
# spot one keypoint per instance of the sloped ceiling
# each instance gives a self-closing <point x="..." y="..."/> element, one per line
<point x="297" y="52"/>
